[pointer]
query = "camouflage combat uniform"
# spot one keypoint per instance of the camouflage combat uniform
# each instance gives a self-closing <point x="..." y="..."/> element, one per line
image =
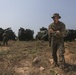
<point x="57" y="42"/>
<point x="5" y="38"/>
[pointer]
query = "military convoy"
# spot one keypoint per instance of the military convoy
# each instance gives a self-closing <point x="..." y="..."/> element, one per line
<point x="28" y="34"/>
<point x="70" y="35"/>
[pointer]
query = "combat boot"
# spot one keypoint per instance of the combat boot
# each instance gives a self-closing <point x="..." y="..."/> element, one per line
<point x="54" y="65"/>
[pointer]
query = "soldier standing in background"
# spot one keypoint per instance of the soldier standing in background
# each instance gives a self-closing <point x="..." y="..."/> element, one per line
<point x="56" y="32"/>
<point x="0" y="43"/>
<point x="5" y="38"/>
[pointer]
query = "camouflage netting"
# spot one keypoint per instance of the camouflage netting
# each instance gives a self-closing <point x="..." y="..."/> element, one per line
<point x="71" y="35"/>
<point x="12" y="35"/>
<point x="42" y="34"/>
<point x="25" y="35"/>
<point x="1" y="32"/>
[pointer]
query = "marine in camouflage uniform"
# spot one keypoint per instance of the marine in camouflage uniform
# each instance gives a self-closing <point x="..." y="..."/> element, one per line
<point x="56" y="33"/>
<point x="5" y="38"/>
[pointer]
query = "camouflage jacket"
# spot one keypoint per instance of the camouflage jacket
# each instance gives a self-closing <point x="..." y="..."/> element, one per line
<point x="57" y="27"/>
<point x="5" y="35"/>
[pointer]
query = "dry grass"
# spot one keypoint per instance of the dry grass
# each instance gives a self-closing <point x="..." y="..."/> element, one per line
<point x="17" y="58"/>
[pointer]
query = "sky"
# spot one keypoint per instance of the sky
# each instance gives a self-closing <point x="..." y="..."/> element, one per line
<point x="34" y="14"/>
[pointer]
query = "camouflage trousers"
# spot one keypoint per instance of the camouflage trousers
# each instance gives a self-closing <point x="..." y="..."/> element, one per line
<point x="58" y="47"/>
<point x="5" y="41"/>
